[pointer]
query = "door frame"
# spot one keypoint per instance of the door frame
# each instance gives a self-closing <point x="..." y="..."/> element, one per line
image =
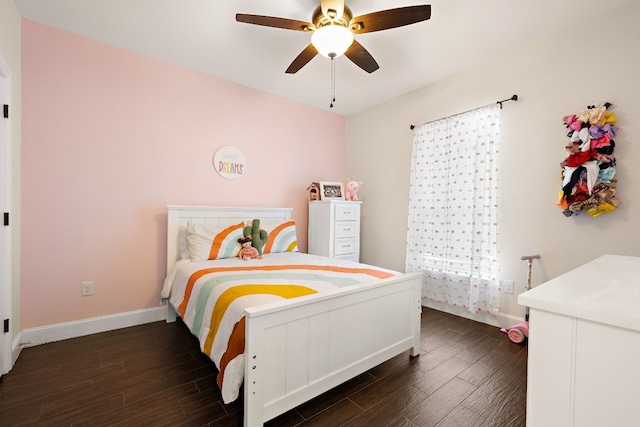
<point x="6" y="246"/>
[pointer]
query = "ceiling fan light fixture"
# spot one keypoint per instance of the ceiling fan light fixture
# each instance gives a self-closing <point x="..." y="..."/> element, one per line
<point x="332" y="41"/>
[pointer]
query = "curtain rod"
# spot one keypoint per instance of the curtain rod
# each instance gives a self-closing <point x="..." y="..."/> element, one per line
<point x="513" y="98"/>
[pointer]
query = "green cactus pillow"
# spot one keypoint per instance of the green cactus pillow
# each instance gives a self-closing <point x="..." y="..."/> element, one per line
<point x="258" y="236"/>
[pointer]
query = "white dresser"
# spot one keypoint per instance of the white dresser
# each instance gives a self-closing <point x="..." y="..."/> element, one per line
<point x="584" y="346"/>
<point x="334" y="229"/>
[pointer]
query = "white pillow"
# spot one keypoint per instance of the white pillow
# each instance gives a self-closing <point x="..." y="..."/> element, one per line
<point x="213" y="241"/>
<point x="183" y="245"/>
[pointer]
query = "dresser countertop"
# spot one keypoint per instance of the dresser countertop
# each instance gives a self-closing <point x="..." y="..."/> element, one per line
<point x="605" y="290"/>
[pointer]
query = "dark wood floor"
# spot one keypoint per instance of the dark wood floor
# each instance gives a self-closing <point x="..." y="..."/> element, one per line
<point x="468" y="375"/>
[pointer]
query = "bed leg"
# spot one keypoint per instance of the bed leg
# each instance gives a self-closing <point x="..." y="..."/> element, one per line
<point x="170" y="313"/>
<point x="415" y="350"/>
<point x="253" y="371"/>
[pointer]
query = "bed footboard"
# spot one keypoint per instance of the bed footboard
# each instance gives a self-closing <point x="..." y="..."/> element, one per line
<point x="297" y="350"/>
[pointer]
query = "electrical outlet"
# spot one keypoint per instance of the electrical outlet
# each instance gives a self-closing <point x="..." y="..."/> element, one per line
<point x="87" y="289"/>
<point x="507" y="286"/>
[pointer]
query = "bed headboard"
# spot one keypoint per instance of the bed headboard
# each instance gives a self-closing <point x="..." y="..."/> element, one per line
<point x="178" y="216"/>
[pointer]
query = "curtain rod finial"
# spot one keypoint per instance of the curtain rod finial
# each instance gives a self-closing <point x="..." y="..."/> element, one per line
<point x="513" y="98"/>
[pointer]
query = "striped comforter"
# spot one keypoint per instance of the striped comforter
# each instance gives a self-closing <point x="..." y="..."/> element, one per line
<point x="210" y="296"/>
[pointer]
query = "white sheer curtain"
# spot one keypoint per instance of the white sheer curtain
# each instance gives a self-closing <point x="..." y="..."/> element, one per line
<point x="452" y="227"/>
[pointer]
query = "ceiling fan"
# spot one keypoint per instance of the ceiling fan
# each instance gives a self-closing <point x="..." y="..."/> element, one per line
<point x="333" y="28"/>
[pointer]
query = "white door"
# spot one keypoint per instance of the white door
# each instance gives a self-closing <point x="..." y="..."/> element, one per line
<point x="5" y="232"/>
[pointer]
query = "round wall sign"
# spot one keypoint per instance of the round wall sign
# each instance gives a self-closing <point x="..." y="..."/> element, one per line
<point x="229" y="162"/>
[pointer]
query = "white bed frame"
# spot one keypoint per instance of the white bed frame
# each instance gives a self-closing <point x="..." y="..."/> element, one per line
<point x="298" y="349"/>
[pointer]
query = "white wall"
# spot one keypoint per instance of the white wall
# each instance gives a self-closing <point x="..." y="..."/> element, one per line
<point x="592" y="62"/>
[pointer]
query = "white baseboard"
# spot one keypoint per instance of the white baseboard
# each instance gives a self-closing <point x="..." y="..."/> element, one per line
<point x="77" y="328"/>
<point x="503" y="320"/>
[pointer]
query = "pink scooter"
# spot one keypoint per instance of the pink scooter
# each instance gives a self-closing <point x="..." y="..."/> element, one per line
<point x="519" y="332"/>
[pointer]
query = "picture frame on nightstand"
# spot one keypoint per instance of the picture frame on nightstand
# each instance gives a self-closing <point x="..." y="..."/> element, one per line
<point x="331" y="190"/>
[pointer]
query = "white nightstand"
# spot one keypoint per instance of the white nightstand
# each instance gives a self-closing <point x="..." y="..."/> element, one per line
<point x="334" y="229"/>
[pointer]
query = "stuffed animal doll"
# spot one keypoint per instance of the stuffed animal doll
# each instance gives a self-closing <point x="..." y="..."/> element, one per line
<point x="247" y="251"/>
<point x="351" y="192"/>
<point x="258" y="236"/>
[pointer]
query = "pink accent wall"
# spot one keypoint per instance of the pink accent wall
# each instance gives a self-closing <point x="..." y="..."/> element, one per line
<point x="111" y="137"/>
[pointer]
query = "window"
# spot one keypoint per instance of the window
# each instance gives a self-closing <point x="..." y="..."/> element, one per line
<point x="452" y="225"/>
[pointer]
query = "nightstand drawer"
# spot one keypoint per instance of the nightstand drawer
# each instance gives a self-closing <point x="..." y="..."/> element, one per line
<point x="348" y="257"/>
<point x="345" y="212"/>
<point x="346" y="229"/>
<point x="345" y="246"/>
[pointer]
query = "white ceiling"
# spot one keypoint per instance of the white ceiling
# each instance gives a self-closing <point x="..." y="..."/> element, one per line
<point x="203" y="35"/>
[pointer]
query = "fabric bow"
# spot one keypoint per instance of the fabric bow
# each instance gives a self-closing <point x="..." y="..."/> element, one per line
<point x="600" y="131"/>
<point x="584" y="115"/>
<point x="576" y="125"/>
<point x="610" y="118"/>
<point x="569" y="119"/>
<point x="597" y="115"/>
<point x="604" y="141"/>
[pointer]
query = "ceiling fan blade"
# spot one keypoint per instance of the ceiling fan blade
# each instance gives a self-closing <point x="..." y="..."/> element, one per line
<point x="390" y="18"/>
<point x="337" y="5"/>
<point x="275" y="22"/>
<point x="302" y="59"/>
<point x="361" y="57"/>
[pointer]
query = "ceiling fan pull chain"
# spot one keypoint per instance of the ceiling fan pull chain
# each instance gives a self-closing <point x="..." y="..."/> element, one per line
<point x="333" y="81"/>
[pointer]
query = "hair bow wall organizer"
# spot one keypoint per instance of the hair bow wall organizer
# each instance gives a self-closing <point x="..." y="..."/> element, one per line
<point x="588" y="172"/>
